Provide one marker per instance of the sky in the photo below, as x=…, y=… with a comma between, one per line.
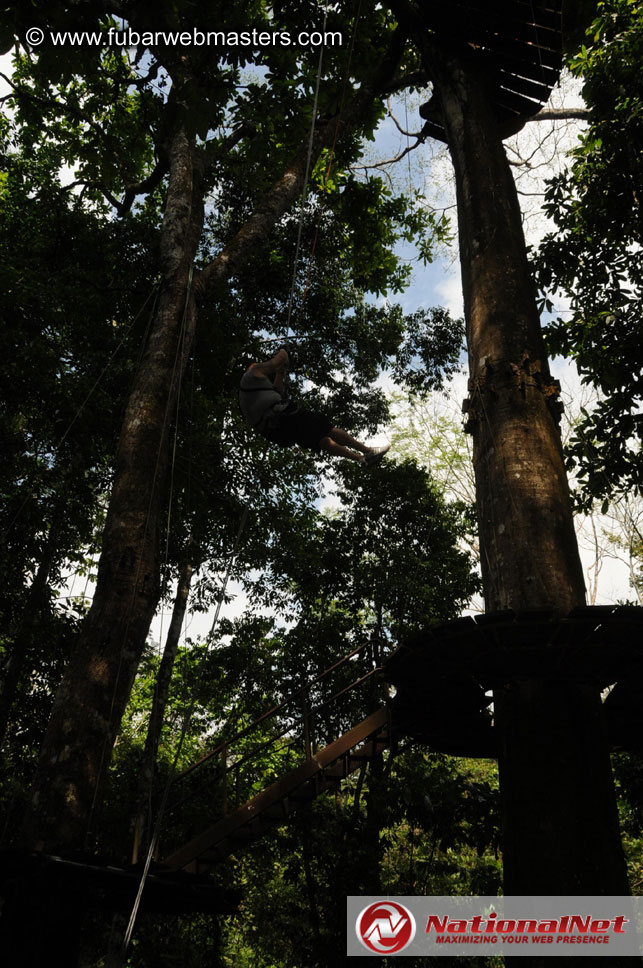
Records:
x=544, y=146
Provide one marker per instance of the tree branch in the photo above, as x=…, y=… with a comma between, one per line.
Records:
x=288, y=187
x=53, y=103
x=389, y=161
x=213, y=152
x=113, y=201
x=143, y=187
x=154, y=178
x=412, y=79
x=151, y=75
x=67, y=109
x=562, y=114
x=408, y=134
x=146, y=185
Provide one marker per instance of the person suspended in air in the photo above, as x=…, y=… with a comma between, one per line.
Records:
x=264, y=405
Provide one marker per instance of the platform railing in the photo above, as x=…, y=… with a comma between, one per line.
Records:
x=291, y=731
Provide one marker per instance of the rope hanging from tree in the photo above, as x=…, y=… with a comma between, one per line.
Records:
x=304, y=190
x=244, y=517
x=186, y=724
x=242, y=523
x=331, y=155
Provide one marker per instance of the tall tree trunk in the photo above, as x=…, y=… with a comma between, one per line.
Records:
x=155, y=725
x=559, y=815
x=91, y=699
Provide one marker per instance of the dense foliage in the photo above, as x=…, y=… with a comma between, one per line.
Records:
x=83, y=185
x=595, y=257
x=79, y=291
x=80, y=270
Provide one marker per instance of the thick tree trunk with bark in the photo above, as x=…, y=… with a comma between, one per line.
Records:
x=559, y=814
x=91, y=699
x=146, y=774
x=529, y=554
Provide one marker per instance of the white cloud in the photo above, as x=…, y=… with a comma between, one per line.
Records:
x=449, y=291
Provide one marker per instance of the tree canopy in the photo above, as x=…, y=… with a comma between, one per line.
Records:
x=92, y=186
x=594, y=256
x=152, y=214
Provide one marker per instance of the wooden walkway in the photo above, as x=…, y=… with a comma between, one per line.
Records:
x=463, y=660
x=319, y=772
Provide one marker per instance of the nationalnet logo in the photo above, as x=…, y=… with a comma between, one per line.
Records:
x=598, y=926
x=569, y=929
x=385, y=927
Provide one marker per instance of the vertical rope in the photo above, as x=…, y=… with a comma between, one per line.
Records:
x=331, y=154
x=306, y=176
x=186, y=723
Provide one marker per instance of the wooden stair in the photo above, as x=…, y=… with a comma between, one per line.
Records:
x=320, y=772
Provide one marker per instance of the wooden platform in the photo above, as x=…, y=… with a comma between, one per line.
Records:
x=457, y=663
x=598, y=644
x=94, y=883
x=515, y=46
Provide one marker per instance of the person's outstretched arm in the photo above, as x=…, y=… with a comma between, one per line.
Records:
x=276, y=365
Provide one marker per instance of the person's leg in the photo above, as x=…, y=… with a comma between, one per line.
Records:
x=336, y=447
x=338, y=450
x=341, y=437
x=367, y=455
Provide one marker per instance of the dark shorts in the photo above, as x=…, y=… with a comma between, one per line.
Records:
x=304, y=427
